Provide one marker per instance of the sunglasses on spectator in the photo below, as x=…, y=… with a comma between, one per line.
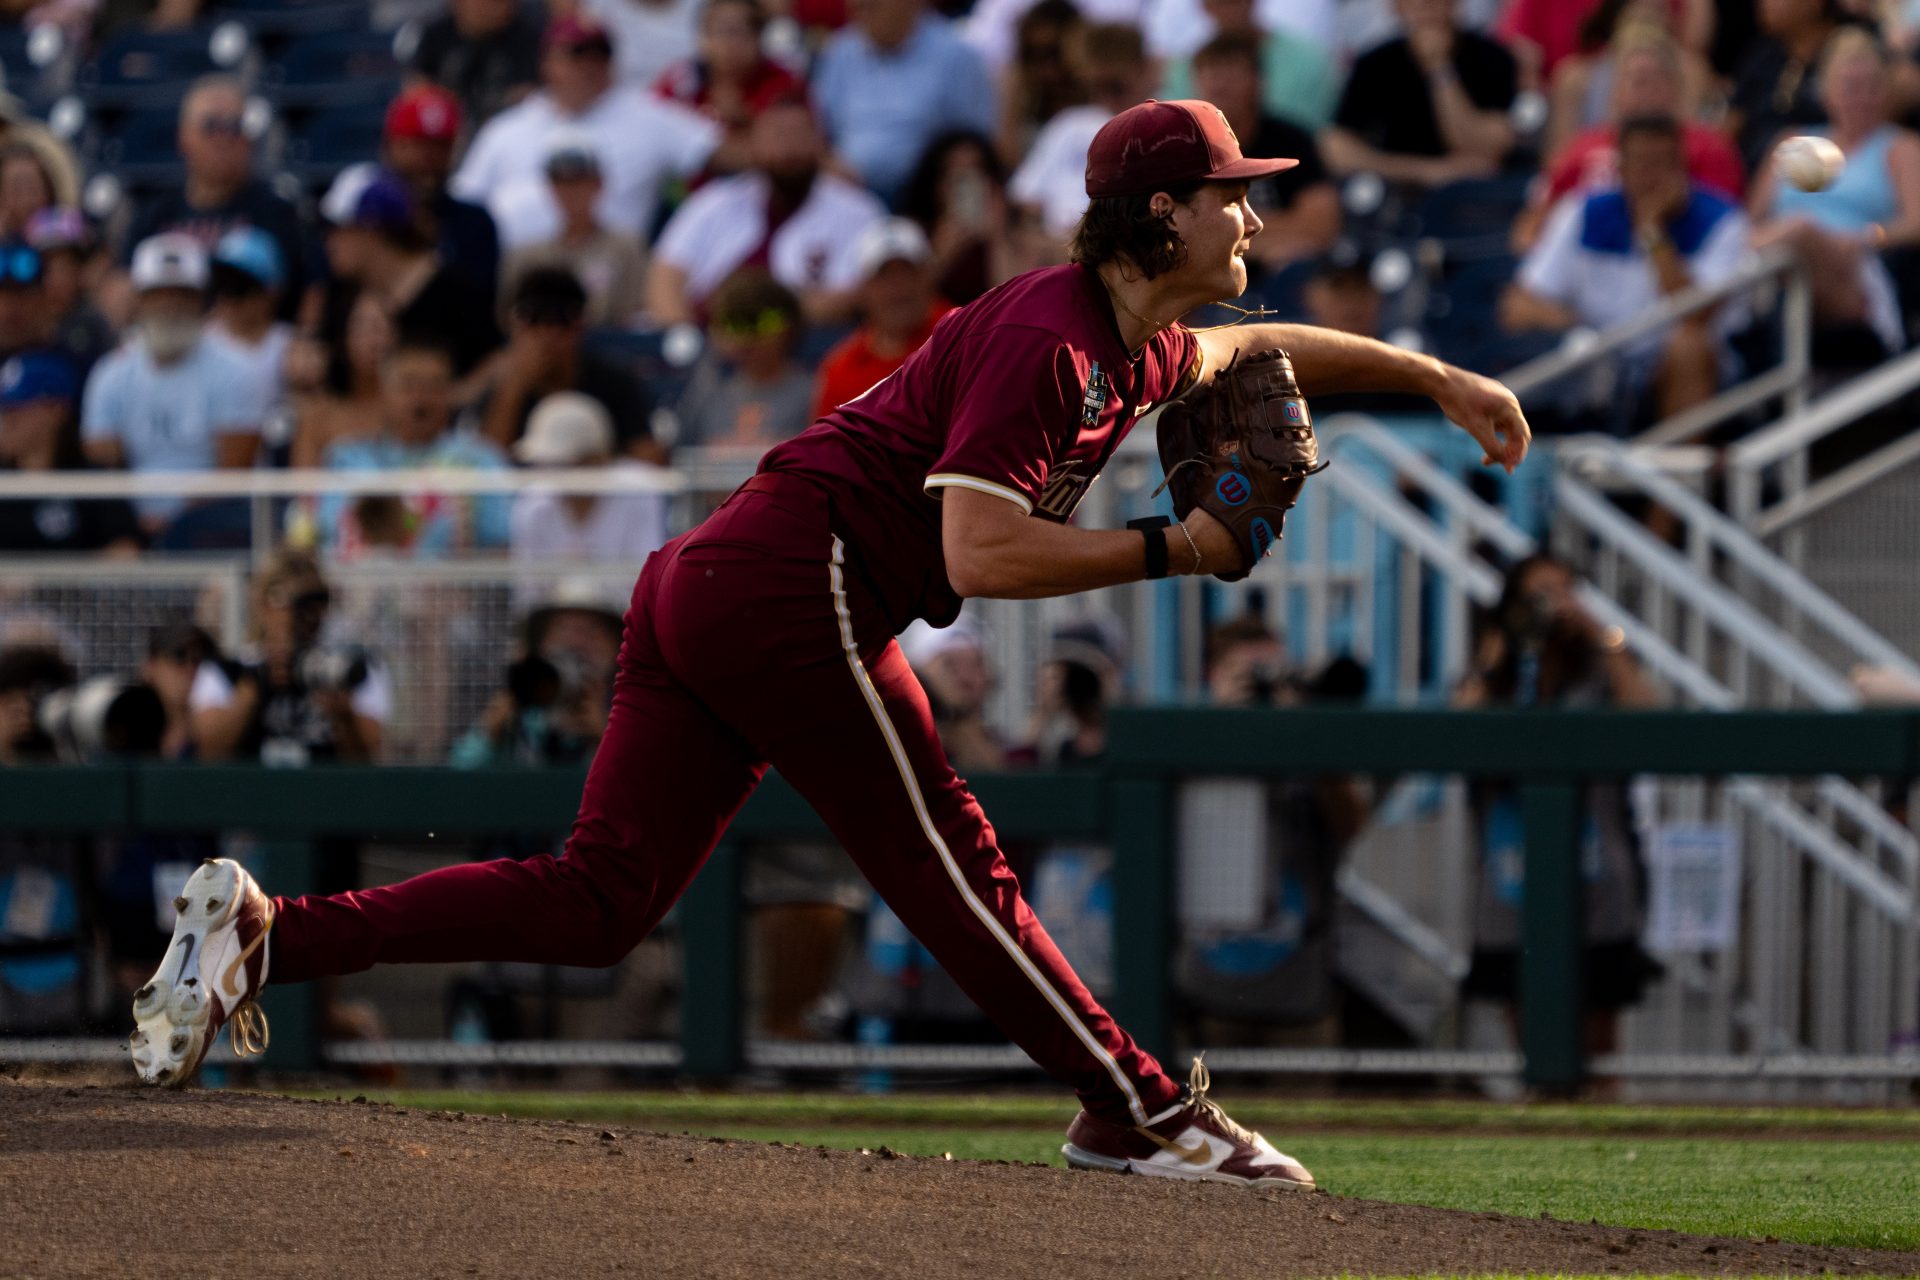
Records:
x=770, y=323
x=222, y=127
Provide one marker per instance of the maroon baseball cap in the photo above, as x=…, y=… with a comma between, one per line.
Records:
x=1157, y=145
x=577, y=34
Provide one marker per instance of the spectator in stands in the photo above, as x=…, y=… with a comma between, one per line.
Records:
x=1341, y=294
x=749, y=391
x=1604, y=258
x=898, y=308
x=1646, y=81
x=568, y=429
x=1260, y=970
x=1427, y=108
x=422, y=127
x=25, y=188
x=293, y=698
x=24, y=317
x=1549, y=34
x=648, y=35
x=168, y=399
x=729, y=79
x=174, y=655
x=39, y=432
x=335, y=381
x=1298, y=82
x=66, y=244
x=787, y=214
x=1301, y=207
x=892, y=81
x=28, y=672
x=558, y=690
x=546, y=352
x=378, y=245
x=610, y=264
x=1049, y=189
x=417, y=430
x=1038, y=84
x=952, y=665
x=1078, y=684
x=958, y=195
x=1775, y=89
x=1541, y=648
x=1873, y=204
x=1584, y=93
x=643, y=142
x=246, y=278
x=220, y=192
x=487, y=52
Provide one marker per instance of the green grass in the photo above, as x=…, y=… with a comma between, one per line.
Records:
x=1850, y=1178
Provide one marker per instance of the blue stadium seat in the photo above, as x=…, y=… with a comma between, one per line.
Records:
x=37, y=66
x=328, y=141
x=274, y=23
x=338, y=69
x=151, y=68
x=141, y=148
x=1472, y=219
x=1463, y=310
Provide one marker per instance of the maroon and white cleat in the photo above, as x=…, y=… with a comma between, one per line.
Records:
x=215, y=966
x=1195, y=1141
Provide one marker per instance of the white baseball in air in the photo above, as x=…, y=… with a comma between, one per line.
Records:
x=1809, y=163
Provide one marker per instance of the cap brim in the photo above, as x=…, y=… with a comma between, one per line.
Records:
x=1246, y=170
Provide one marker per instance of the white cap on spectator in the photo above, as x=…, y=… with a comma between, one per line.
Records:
x=922, y=643
x=565, y=429
x=891, y=240
x=343, y=197
x=170, y=260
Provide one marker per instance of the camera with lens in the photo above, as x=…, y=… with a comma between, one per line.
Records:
x=546, y=680
x=334, y=667
x=104, y=716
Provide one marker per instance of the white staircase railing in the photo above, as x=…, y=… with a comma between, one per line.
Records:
x=1829, y=957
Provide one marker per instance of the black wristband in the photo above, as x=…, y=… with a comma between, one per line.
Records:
x=1152, y=529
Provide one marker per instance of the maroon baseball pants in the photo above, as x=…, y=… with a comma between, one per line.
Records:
x=751, y=642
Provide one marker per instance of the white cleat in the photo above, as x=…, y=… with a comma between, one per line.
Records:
x=214, y=967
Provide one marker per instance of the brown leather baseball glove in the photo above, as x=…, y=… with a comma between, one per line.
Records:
x=1240, y=447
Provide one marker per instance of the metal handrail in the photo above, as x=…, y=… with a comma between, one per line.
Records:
x=304, y=481
x=1485, y=520
x=1554, y=365
x=1747, y=551
x=1839, y=408
x=1843, y=483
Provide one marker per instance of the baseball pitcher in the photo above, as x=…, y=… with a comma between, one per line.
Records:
x=765, y=638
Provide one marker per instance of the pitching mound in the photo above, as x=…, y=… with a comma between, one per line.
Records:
x=111, y=1181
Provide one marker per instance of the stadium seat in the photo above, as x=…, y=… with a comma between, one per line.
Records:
x=37, y=64
x=338, y=69
x=141, y=148
x=1473, y=219
x=274, y=23
x=328, y=141
x=151, y=68
x=1462, y=320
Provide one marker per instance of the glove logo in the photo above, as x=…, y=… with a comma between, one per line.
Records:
x=1233, y=488
x=1295, y=412
x=1263, y=536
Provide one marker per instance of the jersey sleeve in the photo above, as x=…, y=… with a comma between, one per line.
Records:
x=1016, y=409
x=1548, y=269
x=100, y=410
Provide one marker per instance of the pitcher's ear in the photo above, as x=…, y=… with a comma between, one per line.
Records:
x=1161, y=205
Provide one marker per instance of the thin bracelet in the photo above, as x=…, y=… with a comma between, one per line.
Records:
x=1197, y=557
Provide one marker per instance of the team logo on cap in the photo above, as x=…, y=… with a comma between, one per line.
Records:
x=1227, y=125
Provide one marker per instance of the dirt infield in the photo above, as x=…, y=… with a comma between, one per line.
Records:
x=112, y=1181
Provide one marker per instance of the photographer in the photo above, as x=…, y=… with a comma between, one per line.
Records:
x=1083, y=674
x=28, y=673
x=1256, y=963
x=553, y=707
x=1540, y=648
x=292, y=700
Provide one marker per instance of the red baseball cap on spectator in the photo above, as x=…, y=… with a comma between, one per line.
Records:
x=425, y=112
x=1157, y=145
x=578, y=35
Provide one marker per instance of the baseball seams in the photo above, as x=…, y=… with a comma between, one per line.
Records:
x=974, y=904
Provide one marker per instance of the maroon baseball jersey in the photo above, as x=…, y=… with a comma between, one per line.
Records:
x=1023, y=393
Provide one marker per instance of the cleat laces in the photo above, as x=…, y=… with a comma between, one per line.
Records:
x=1199, y=1080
